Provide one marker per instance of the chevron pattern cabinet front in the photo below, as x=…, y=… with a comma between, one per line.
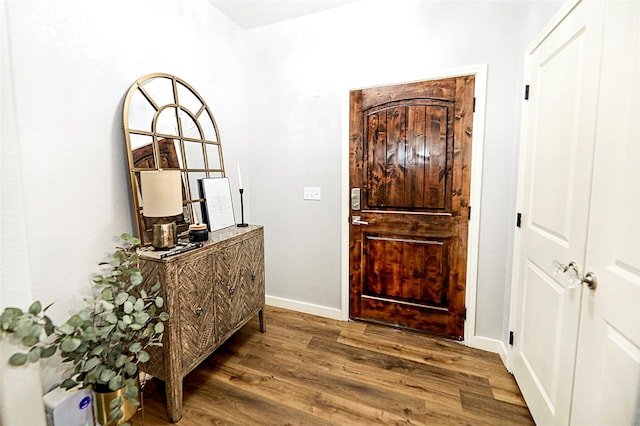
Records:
x=239, y=289
x=196, y=309
x=210, y=293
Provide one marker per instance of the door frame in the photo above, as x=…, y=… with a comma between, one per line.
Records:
x=477, y=149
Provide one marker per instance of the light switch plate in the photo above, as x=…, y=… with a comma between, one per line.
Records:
x=312, y=193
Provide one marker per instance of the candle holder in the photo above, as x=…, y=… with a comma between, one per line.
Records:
x=242, y=224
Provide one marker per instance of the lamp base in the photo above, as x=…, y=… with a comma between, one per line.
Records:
x=164, y=236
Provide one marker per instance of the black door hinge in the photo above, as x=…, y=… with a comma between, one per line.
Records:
x=474, y=104
x=526, y=92
x=519, y=220
x=469, y=213
x=511, y=338
x=465, y=313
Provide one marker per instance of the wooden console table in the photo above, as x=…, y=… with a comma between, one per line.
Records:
x=209, y=293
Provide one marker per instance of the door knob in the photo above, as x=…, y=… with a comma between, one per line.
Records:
x=560, y=268
x=575, y=278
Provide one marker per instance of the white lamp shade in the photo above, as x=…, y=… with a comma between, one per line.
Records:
x=161, y=193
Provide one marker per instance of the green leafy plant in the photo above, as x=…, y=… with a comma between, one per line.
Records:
x=106, y=340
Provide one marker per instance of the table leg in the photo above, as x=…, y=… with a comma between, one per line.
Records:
x=263, y=328
x=173, y=391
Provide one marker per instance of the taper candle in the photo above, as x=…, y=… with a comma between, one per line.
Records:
x=239, y=176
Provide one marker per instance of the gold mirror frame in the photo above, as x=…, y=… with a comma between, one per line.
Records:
x=167, y=125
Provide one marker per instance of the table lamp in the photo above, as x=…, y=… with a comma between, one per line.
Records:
x=162, y=198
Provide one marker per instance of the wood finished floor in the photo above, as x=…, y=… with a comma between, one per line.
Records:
x=308, y=370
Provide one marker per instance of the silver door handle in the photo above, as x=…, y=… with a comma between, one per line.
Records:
x=355, y=220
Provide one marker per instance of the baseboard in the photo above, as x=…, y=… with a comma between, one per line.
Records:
x=490, y=345
x=306, y=308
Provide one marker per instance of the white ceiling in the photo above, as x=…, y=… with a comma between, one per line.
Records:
x=254, y=13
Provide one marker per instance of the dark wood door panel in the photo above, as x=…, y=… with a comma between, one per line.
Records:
x=415, y=270
x=407, y=315
x=410, y=156
x=427, y=145
x=444, y=89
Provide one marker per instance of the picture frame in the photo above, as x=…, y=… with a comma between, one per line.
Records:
x=217, y=210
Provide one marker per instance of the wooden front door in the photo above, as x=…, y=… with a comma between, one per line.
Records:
x=410, y=157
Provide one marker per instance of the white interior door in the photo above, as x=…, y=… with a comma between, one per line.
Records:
x=559, y=130
x=607, y=383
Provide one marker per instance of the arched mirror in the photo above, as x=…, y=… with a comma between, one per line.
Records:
x=167, y=125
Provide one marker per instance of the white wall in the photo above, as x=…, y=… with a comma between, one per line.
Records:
x=65, y=194
x=16, y=385
x=303, y=71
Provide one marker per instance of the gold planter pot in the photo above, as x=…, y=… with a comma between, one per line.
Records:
x=101, y=410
